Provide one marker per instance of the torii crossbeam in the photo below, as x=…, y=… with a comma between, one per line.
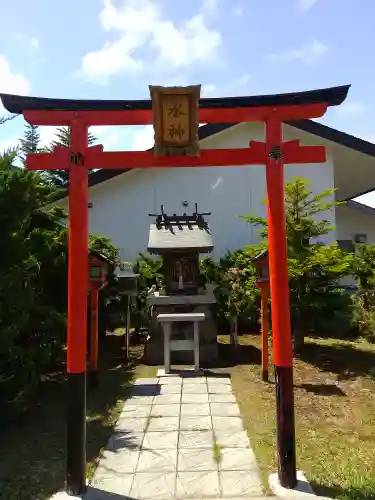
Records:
x=79, y=158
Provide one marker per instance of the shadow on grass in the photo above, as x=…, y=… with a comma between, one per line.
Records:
x=32, y=451
x=336, y=491
x=342, y=359
x=242, y=355
x=321, y=389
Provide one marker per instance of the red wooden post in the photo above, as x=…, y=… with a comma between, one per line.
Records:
x=264, y=329
x=94, y=338
x=282, y=341
x=77, y=311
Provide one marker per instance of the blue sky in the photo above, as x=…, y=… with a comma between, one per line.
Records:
x=115, y=48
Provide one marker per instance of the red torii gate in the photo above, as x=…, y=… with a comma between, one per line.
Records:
x=79, y=115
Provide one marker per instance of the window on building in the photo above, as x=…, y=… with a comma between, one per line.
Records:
x=346, y=245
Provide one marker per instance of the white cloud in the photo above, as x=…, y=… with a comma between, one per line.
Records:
x=46, y=135
x=209, y=90
x=238, y=11
x=109, y=61
x=113, y=138
x=11, y=83
x=9, y=143
x=140, y=24
x=124, y=138
x=182, y=47
x=307, y=54
x=353, y=108
x=34, y=42
x=143, y=138
x=244, y=80
x=210, y=5
x=306, y=4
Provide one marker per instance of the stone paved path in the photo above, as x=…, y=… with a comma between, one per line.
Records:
x=178, y=437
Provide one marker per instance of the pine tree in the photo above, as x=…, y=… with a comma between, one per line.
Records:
x=314, y=269
x=60, y=178
x=29, y=143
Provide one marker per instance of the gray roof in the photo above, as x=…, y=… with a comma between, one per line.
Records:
x=185, y=237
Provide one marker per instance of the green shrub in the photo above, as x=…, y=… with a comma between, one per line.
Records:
x=33, y=279
x=363, y=303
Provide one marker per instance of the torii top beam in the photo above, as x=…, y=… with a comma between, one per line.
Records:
x=292, y=106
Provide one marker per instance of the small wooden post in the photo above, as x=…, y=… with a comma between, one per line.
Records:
x=127, y=328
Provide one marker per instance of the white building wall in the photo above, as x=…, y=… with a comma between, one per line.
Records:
x=121, y=205
x=351, y=222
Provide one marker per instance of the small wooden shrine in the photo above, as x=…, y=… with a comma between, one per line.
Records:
x=180, y=240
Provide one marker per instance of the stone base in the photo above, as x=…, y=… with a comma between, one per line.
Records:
x=209, y=353
x=154, y=354
x=303, y=490
x=187, y=371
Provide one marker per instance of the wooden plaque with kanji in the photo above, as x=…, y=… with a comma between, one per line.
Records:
x=175, y=113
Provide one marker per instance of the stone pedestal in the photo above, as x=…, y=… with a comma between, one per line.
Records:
x=183, y=304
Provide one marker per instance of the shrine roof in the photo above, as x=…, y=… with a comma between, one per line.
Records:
x=100, y=256
x=261, y=256
x=191, y=237
x=333, y=96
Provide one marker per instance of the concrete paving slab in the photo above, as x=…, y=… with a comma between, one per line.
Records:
x=197, y=459
x=167, y=399
x=191, y=409
x=163, y=424
x=135, y=411
x=194, y=389
x=190, y=423
x=155, y=485
x=240, y=483
x=160, y=440
x=194, y=398
x=140, y=401
x=121, y=462
x=232, y=439
x=224, y=409
x=221, y=398
x=227, y=423
x=124, y=440
x=157, y=460
x=170, y=389
x=145, y=390
x=237, y=459
x=119, y=484
x=131, y=424
x=170, y=381
x=171, y=410
x=197, y=484
x=196, y=439
x=194, y=380
x=214, y=388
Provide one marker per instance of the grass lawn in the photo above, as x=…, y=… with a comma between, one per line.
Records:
x=32, y=449
x=335, y=413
